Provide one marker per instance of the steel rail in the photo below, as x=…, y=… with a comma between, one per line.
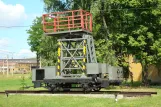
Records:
x=124, y=93
x=2, y=93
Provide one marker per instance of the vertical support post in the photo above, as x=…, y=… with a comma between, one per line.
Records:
x=86, y=21
x=82, y=19
x=58, y=21
x=61, y=56
x=68, y=23
x=12, y=71
x=43, y=22
x=7, y=66
x=3, y=68
x=116, y=98
x=84, y=56
x=30, y=67
x=90, y=22
x=59, y=53
x=73, y=19
x=55, y=24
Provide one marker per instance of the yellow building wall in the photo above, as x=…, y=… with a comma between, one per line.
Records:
x=153, y=74
x=22, y=67
x=136, y=70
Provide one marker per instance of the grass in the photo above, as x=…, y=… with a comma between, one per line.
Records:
x=60, y=101
x=13, y=82
x=69, y=101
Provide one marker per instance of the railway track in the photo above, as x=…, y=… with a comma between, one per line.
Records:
x=124, y=93
x=2, y=93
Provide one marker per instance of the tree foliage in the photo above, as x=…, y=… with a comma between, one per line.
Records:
x=120, y=28
x=34, y=40
x=43, y=46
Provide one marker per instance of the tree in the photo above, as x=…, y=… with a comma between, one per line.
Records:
x=49, y=51
x=132, y=28
x=43, y=46
x=60, y=5
x=35, y=34
x=122, y=28
x=145, y=33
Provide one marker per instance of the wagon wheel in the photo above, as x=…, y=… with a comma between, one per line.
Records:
x=58, y=87
x=51, y=88
x=86, y=88
x=97, y=89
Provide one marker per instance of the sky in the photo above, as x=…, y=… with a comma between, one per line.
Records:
x=13, y=40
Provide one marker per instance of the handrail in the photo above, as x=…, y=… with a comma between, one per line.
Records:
x=66, y=21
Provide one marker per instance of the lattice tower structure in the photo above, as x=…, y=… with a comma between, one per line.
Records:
x=75, y=43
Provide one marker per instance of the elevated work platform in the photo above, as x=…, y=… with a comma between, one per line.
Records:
x=75, y=41
x=67, y=22
x=73, y=33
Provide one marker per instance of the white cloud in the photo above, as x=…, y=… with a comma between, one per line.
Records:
x=4, y=42
x=11, y=14
x=25, y=53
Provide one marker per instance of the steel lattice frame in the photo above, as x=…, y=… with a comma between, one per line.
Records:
x=74, y=53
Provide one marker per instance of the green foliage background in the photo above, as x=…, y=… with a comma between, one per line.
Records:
x=120, y=28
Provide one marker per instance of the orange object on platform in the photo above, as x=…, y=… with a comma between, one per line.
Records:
x=67, y=21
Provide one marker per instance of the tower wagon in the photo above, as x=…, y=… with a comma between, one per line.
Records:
x=77, y=65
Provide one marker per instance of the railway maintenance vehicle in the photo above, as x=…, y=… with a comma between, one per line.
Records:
x=77, y=65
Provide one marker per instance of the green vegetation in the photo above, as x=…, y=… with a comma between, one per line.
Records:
x=120, y=28
x=14, y=82
x=46, y=47
x=66, y=101
x=71, y=101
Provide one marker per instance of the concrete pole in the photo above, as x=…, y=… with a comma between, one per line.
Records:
x=30, y=67
x=3, y=67
x=7, y=67
x=12, y=71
